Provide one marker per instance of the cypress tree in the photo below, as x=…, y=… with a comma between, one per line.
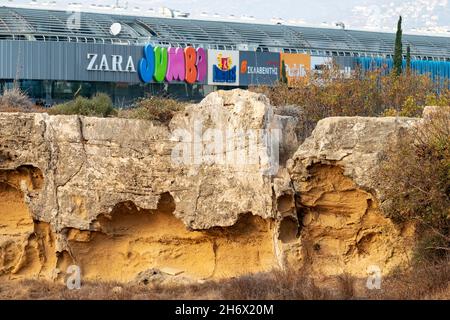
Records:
x=398, y=52
x=408, y=59
x=283, y=73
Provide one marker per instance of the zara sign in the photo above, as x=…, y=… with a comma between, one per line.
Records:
x=114, y=63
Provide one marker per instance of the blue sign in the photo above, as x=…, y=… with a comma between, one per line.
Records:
x=259, y=68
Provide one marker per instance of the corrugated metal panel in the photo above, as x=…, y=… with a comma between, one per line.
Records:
x=436, y=69
x=52, y=25
x=33, y=60
x=345, y=62
x=68, y=61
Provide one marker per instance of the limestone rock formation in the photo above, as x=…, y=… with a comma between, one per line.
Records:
x=208, y=196
x=334, y=175
x=117, y=198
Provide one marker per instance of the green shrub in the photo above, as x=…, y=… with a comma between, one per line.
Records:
x=154, y=108
x=442, y=99
x=390, y=112
x=99, y=105
x=410, y=108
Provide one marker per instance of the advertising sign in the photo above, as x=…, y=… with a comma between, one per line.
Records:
x=69, y=61
x=297, y=65
x=318, y=64
x=223, y=67
x=172, y=64
x=259, y=68
x=74, y=61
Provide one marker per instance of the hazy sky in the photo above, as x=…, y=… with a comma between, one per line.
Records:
x=431, y=15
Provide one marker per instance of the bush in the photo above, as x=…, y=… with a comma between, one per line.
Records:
x=442, y=99
x=370, y=94
x=431, y=246
x=15, y=100
x=99, y=105
x=410, y=108
x=396, y=90
x=158, y=109
x=415, y=178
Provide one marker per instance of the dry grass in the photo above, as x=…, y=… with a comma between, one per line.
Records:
x=15, y=100
x=424, y=281
x=414, y=177
x=33, y=109
x=370, y=94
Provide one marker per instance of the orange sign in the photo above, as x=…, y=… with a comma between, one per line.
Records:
x=296, y=64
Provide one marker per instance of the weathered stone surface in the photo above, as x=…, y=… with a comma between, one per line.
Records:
x=123, y=198
x=107, y=181
x=334, y=174
x=429, y=111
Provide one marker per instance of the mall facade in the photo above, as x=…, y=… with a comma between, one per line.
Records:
x=54, y=59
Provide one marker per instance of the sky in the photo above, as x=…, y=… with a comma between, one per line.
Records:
x=431, y=16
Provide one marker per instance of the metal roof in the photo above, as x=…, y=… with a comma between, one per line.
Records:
x=51, y=25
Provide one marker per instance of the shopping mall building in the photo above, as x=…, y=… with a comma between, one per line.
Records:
x=56, y=55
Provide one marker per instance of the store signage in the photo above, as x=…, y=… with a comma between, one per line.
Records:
x=296, y=64
x=114, y=63
x=173, y=64
x=223, y=67
x=259, y=68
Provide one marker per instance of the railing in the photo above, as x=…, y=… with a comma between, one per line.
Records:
x=315, y=51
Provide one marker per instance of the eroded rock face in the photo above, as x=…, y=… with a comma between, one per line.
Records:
x=127, y=200
x=26, y=246
x=334, y=175
x=143, y=238
x=115, y=202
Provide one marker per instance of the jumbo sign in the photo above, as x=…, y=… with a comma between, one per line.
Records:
x=173, y=64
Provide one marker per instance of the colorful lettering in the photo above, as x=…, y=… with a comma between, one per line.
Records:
x=176, y=65
x=160, y=63
x=190, y=58
x=147, y=64
x=202, y=65
x=169, y=64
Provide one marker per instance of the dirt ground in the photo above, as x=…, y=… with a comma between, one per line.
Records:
x=424, y=281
